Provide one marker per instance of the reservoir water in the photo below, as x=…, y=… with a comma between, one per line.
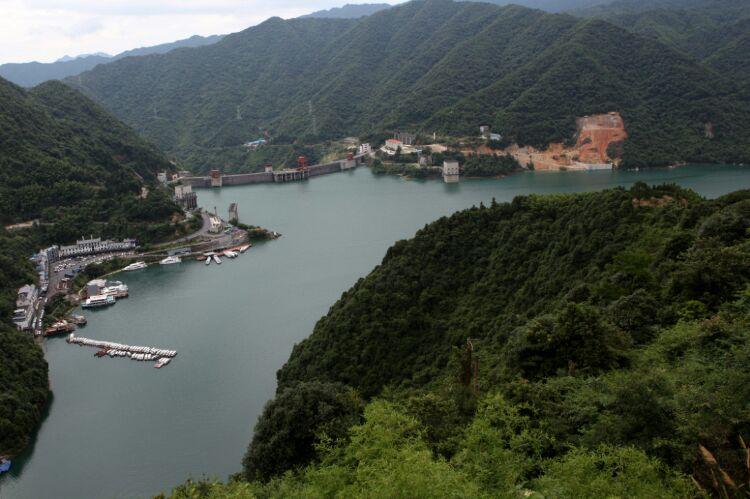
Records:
x=118, y=428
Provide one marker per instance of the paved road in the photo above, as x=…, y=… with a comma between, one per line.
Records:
x=202, y=232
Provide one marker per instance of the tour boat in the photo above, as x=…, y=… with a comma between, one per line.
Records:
x=136, y=266
x=117, y=289
x=170, y=260
x=99, y=301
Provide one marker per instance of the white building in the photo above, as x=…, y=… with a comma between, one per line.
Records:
x=451, y=171
x=393, y=144
x=24, y=314
x=95, y=245
x=181, y=191
x=364, y=149
x=215, y=225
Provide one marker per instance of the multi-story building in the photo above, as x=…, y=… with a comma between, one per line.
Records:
x=393, y=144
x=451, y=171
x=93, y=246
x=185, y=197
x=25, y=312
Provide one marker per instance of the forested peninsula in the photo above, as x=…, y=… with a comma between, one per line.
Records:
x=580, y=345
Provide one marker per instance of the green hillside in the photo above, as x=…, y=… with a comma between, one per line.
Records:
x=668, y=101
x=64, y=160
x=67, y=163
x=425, y=66
x=715, y=32
x=609, y=341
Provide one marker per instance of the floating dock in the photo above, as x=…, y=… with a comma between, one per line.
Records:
x=161, y=356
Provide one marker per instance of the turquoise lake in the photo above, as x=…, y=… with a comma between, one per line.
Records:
x=120, y=429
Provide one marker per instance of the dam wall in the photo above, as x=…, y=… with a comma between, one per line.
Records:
x=247, y=178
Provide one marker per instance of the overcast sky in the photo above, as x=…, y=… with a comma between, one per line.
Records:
x=45, y=30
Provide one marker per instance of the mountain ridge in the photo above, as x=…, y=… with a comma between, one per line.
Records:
x=423, y=66
x=29, y=74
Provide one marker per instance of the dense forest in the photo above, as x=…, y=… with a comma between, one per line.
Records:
x=431, y=66
x=73, y=168
x=574, y=345
x=716, y=32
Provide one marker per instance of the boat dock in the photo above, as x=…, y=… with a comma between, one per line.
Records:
x=161, y=356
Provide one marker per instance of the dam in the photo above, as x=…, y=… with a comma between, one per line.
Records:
x=302, y=172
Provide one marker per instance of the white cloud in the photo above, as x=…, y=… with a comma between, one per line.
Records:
x=45, y=30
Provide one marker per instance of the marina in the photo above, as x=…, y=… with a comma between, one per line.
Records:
x=140, y=353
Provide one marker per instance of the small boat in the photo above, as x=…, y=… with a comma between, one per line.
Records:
x=217, y=259
x=136, y=266
x=162, y=362
x=208, y=261
x=4, y=465
x=245, y=247
x=59, y=328
x=78, y=320
x=230, y=254
x=98, y=301
x=170, y=260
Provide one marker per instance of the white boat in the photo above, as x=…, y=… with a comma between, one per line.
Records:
x=170, y=260
x=216, y=258
x=230, y=254
x=136, y=266
x=117, y=289
x=208, y=261
x=244, y=248
x=98, y=301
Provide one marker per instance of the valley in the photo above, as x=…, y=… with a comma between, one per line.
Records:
x=515, y=259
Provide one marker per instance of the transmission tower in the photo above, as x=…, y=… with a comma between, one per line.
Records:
x=312, y=115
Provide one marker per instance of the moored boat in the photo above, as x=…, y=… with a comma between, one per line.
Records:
x=136, y=266
x=118, y=290
x=98, y=301
x=78, y=320
x=216, y=258
x=59, y=328
x=170, y=260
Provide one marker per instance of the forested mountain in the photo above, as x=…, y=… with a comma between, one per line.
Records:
x=425, y=66
x=716, y=32
x=585, y=345
x=66, y=162
x=29, y=74
x=61, y=154
x=349, y=11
